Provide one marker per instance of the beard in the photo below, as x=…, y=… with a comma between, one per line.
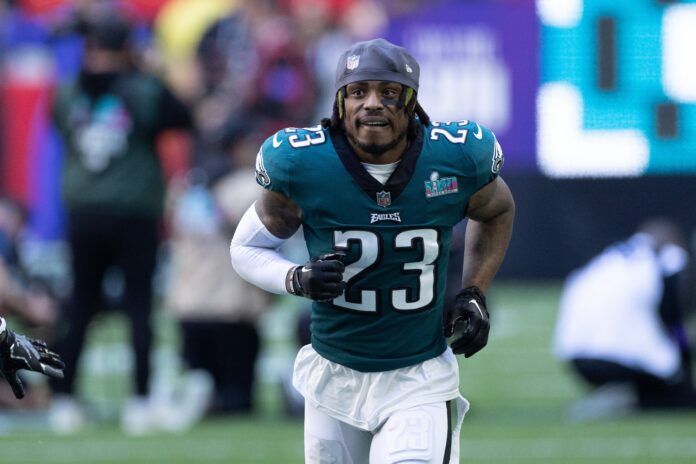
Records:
x=376, y=149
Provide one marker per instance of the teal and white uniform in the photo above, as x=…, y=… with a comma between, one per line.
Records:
x=396, y=236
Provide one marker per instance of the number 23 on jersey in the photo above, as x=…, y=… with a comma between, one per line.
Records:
x=370, y=245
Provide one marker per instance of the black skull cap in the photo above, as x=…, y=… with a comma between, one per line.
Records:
x=377, y=60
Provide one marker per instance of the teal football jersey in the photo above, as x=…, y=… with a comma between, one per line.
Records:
x=395, y=237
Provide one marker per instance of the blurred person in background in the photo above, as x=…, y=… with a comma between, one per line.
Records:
x=621, y=326
x=293, y=401
x=244, y=68
x=113, y=188
x=252, y=72
x=24, y=298
x=216, y=309
x=225, y=65
x=325, y=28
x=377, y=189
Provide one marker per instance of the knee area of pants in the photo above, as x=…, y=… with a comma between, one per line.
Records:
x=322, y=451
x=410, y=438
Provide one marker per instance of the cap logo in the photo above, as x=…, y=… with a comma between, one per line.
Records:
x=352, y=62
x=408, y=68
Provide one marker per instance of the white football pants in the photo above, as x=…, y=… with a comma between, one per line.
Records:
x=422, y=434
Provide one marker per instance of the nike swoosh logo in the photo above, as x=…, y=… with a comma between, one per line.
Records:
x=476, y=302
x=478, y=134
x=276, y=143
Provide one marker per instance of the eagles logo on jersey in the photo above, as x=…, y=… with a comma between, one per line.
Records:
x=261, y=174
x=396, y=250
x=498, y=158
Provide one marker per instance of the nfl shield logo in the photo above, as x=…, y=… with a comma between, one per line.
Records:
x=383, y=199
x=352, y=62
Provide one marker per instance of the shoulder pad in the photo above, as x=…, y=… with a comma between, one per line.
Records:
x=477, y=143
x=295, y=138
x=279, y=152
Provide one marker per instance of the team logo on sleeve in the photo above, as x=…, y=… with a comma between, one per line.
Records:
x=384, y=198
x=498, y=158
x=437, y=186
x=261, y=175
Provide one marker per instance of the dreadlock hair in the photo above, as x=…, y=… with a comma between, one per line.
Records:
x=413, y=109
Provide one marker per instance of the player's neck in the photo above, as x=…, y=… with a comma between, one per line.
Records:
x=390, y=156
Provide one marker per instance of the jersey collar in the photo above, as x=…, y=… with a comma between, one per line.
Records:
x=397, y=181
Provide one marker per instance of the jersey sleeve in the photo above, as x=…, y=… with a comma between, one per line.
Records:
x=273, y=163
x=484, y=151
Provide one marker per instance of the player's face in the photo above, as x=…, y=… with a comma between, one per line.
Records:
x=373, y=121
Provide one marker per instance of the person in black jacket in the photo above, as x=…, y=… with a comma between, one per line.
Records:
x=113, y=188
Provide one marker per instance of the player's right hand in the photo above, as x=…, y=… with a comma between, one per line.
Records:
x=21, y=352
x=321, y=278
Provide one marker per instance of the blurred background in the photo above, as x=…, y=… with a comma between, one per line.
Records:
x=594, y=105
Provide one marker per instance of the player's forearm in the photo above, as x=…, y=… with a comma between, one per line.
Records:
x=263, y=267
x=255, y=257
x=485, y=247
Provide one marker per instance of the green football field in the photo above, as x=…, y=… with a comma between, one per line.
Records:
x=518, y=395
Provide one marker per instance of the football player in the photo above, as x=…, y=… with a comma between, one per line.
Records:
x=377, y=189
x=20, y=352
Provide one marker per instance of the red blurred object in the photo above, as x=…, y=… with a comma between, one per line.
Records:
x=174, y=150
x=335, y=7
x=38, y=7
x=145, y=10
x=26, y=103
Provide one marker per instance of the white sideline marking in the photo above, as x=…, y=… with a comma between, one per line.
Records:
x=213, y=450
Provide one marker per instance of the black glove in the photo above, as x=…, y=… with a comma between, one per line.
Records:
x=21, y=352
x=320, y=279
x=468, y=322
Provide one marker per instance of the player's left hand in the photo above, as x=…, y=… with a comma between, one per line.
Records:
x=468, y=322
x=21, y=352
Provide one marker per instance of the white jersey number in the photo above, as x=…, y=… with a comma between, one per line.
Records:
x=459, y=136
x=313, y=136
x=370, y=245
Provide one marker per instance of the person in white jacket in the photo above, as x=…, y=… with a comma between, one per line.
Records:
x=621, y=328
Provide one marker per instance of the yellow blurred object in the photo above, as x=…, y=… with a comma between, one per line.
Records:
x=181, y=24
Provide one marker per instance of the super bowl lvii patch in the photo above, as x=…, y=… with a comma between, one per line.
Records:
x=439, y=187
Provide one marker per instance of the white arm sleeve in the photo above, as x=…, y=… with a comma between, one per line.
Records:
x=255, y=256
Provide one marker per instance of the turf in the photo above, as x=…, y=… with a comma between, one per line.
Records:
x=517, y=390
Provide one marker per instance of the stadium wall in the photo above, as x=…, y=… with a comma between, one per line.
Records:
x=560, y=224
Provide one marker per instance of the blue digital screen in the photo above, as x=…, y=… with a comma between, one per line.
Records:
x=618, y=88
